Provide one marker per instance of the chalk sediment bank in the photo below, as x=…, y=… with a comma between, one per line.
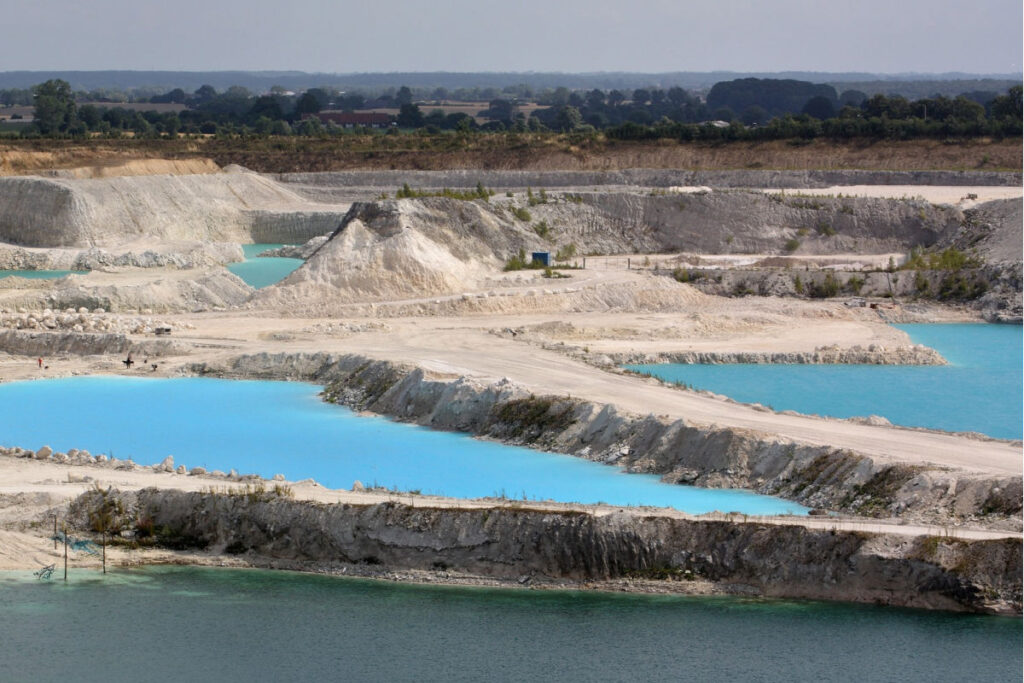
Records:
x=529, y=546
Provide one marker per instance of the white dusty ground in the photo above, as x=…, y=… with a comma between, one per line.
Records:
x=962, y=196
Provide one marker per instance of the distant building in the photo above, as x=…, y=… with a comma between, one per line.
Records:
x=347, y=119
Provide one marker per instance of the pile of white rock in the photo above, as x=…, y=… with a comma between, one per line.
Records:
x=82, y=320
x=345, y=328
x=75, y=456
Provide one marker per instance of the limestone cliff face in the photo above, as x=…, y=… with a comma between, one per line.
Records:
x=746, y=221
x=678, y=451
x=221, y=207
x=510, y=542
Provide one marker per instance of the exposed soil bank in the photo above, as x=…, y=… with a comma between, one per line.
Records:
x=494, y=151
x=815, y=476
x=528, y=545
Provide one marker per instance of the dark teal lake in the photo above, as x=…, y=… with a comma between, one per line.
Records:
x=283, y=427
x=194, y=624
x=262, y=272
x=980, y=390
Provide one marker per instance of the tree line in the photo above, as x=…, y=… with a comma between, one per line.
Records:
x=743, y=109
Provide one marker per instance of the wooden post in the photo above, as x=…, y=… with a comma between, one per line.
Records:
x=65, y=552
x=104, y=550
x=55, y=532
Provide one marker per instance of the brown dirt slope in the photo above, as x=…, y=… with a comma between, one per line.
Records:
x=501, y=151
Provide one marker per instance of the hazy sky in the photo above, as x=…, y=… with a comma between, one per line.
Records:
x=883, y=36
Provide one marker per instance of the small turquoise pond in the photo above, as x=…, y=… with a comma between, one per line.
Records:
x=263, y=272
x=281, y=427
x=980, y=390
x=245, y=625
x=41, y=274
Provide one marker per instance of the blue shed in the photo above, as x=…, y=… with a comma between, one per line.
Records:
x=542, y=257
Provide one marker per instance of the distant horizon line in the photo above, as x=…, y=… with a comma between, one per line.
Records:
x=890, y=74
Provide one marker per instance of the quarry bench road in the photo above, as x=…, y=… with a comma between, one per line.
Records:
x=490, y=358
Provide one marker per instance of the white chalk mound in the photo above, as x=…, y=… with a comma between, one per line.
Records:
x=407, y=248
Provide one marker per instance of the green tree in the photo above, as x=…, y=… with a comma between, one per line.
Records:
x=409, y=116
x=307, y=104
x=820, y=107
x=54, y=107
x=1010, y=104
x=501, y=110
x=265, y=106
x=569, y=118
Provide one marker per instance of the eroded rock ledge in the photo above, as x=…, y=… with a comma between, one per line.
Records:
x=856, y=355
x=820, y=477
x=538, y=546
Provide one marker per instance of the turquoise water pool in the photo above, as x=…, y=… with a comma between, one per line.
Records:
x=263, y=272
x=282, y=427
x=980, y=390
x=193, y=624
x=41, y=274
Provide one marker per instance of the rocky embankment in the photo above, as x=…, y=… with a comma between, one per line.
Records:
x=916, y=354
x=815, y=476
x=50, y=344
x=80, y=332
x=182, y=256
x=526, y=546
x=216, y=289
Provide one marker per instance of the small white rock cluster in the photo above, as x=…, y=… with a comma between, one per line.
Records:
x=81, y=320
x=346, y=328
x=75, y=456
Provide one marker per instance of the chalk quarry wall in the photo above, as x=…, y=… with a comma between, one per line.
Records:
x=527, y=545
x=339, y=186
x=681, y=453
x=221, y=207
x=741, y=221
x=719, y=222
